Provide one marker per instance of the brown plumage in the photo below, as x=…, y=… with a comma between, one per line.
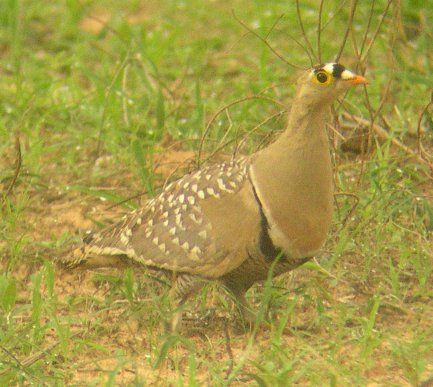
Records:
x=230, y=221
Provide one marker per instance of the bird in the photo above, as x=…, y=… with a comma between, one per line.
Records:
x=233, y=221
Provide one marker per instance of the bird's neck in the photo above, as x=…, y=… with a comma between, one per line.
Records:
x=305, y=121
x=294, y=182
x=303, y=146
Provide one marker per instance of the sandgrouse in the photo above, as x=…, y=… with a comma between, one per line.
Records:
x=230, y=221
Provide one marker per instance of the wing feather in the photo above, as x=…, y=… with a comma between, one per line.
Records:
x=174, y=231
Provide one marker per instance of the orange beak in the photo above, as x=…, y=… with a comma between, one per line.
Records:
x=357, y=80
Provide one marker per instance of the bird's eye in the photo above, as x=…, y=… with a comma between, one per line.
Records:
x=322, y=77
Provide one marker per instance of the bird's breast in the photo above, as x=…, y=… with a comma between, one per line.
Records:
x=295, y=191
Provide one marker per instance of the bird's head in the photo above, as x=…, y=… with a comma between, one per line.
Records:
x=322, y=84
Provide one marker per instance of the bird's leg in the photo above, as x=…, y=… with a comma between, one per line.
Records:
x=248, y=315
x=184, y=286
x=246, y=311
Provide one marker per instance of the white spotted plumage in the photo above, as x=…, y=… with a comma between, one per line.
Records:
x=227, y=221
x=170, y=220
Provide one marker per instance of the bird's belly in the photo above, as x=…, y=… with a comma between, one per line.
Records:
x=303, y=238
x=256, y=268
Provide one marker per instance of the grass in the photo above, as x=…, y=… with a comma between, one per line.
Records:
x=100, y=104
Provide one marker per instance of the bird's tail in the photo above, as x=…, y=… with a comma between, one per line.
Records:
x=94, y=253
x=87, y=257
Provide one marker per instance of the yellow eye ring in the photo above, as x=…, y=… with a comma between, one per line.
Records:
x=322, y=78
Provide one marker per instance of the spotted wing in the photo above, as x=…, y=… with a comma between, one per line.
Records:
x=173, y=231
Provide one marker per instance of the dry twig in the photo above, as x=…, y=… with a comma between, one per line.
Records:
x=373, y=39
x=348, y=29
x=319, y=31
x=275, y=52
x=352, y=209
x=384, y=135
x=224, y=108
x=310, y=50
x=26, y=363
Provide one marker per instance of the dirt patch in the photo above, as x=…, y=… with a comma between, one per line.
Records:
x=169, y=164
x=98, y=18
